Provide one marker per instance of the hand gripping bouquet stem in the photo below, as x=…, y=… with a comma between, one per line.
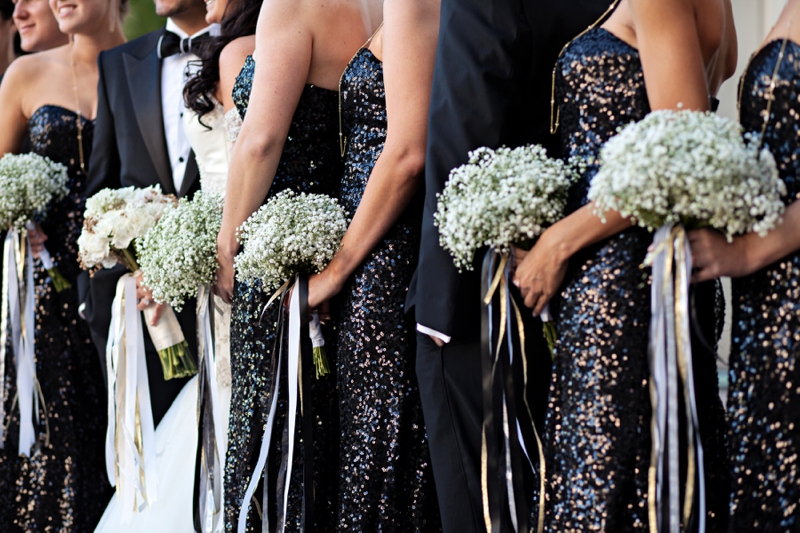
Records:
x=287, y=239
x=499, y=199
x=28, y=185
x=178, y=259
x=673, y=171
x=113, y=219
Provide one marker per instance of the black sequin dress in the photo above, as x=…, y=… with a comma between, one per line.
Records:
x=764, y=396
x=597, y=430
x=310, y=163
x=63, y=486
x=386, y=481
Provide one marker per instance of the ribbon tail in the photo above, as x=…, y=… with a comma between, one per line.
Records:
x=26, y=363
x=294, y=377
x=9, y=275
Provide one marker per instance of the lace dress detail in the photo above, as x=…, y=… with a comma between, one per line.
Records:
x=764, y=397
x=597, y=430
x=311, y=163
x=63, y=485
x=386, y=481
x=233, y=125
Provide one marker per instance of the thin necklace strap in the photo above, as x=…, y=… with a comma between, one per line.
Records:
x=78, y=115
x=342, y=138
x=555, y=110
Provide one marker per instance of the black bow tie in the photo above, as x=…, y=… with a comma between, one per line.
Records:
x=170, y=44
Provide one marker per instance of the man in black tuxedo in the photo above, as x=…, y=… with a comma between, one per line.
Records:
x=139, y=141
x=491, y=87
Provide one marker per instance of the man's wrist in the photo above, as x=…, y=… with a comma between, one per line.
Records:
x=433, y=333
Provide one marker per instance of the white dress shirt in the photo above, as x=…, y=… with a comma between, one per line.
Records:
x=174, y=75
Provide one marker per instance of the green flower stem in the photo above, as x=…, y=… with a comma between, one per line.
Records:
x=177, y=362
x=60, y=283
x=321, y=362
x=128, y=259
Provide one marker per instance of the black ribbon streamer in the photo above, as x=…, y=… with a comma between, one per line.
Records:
x=306, y=406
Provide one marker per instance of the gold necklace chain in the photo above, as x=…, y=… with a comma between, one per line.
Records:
x=79, y=117
x=342, y=138
x=770, y=96
x=555, y=111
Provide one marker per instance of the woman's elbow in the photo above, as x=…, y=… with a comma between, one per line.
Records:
x=408, y=162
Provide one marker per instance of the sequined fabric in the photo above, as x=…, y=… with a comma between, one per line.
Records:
x=597, y=430
x=386, y=481
x=63, y=485
x=764, y=397
x=310, y=163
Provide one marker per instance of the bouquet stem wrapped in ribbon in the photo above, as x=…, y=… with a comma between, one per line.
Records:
x=28, y=185
x=499, y=199
x=178, y=259
x=290, y=237
x=668, y=172
x=113, y=219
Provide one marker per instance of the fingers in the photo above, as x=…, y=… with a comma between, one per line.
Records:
x=226, y=295
x=437, y=341
x=157, y=314
x=143, y=304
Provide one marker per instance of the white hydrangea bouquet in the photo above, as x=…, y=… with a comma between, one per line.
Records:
x=113, y=219
x=501, y=198
x=289, y=235
x=672, y=171
x=28, y=183
x=179, y=254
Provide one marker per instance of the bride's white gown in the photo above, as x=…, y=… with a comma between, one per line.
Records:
x=176, y=434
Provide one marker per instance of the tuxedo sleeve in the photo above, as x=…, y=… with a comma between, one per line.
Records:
x=482, y=66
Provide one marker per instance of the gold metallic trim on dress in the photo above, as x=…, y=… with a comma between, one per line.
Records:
x=342, y=138
x=555, y=111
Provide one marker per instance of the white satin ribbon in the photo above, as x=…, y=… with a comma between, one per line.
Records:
x=294, y=389
x=211, y=492
x=22, y=330
x=130, y=439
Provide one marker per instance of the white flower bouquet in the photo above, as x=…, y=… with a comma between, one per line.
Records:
x=689, y=168
x=289, y=235
x=113, y=219
x=28, y=183
x=500, y=198
x=179, y=253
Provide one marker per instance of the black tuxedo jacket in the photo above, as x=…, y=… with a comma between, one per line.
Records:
x=129, y=149
x=492, y=85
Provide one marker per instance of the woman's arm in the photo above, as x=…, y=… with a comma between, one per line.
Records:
x=17, y=84
x=713, y=256
x=283, y=56
x=409, y=48
x=668, y=40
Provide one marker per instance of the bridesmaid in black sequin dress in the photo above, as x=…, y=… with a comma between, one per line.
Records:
x=300, y=151
x=63, y=485
x=386, y=480
x=764, y=394
x=597, y=443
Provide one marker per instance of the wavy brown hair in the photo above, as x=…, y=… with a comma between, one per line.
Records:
x=239, y=21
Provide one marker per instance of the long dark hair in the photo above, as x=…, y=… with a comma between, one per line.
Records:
x=239, y=21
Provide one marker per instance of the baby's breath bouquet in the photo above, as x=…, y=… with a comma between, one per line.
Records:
x=28, y=183
x=113, y=219
x=291, y=234
x=500, y=198
x=690, y=168
x=179, y=254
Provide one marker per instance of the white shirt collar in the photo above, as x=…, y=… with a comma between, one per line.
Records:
x=171, y=26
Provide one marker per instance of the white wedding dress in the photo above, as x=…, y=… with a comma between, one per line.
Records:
x=176, y=434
